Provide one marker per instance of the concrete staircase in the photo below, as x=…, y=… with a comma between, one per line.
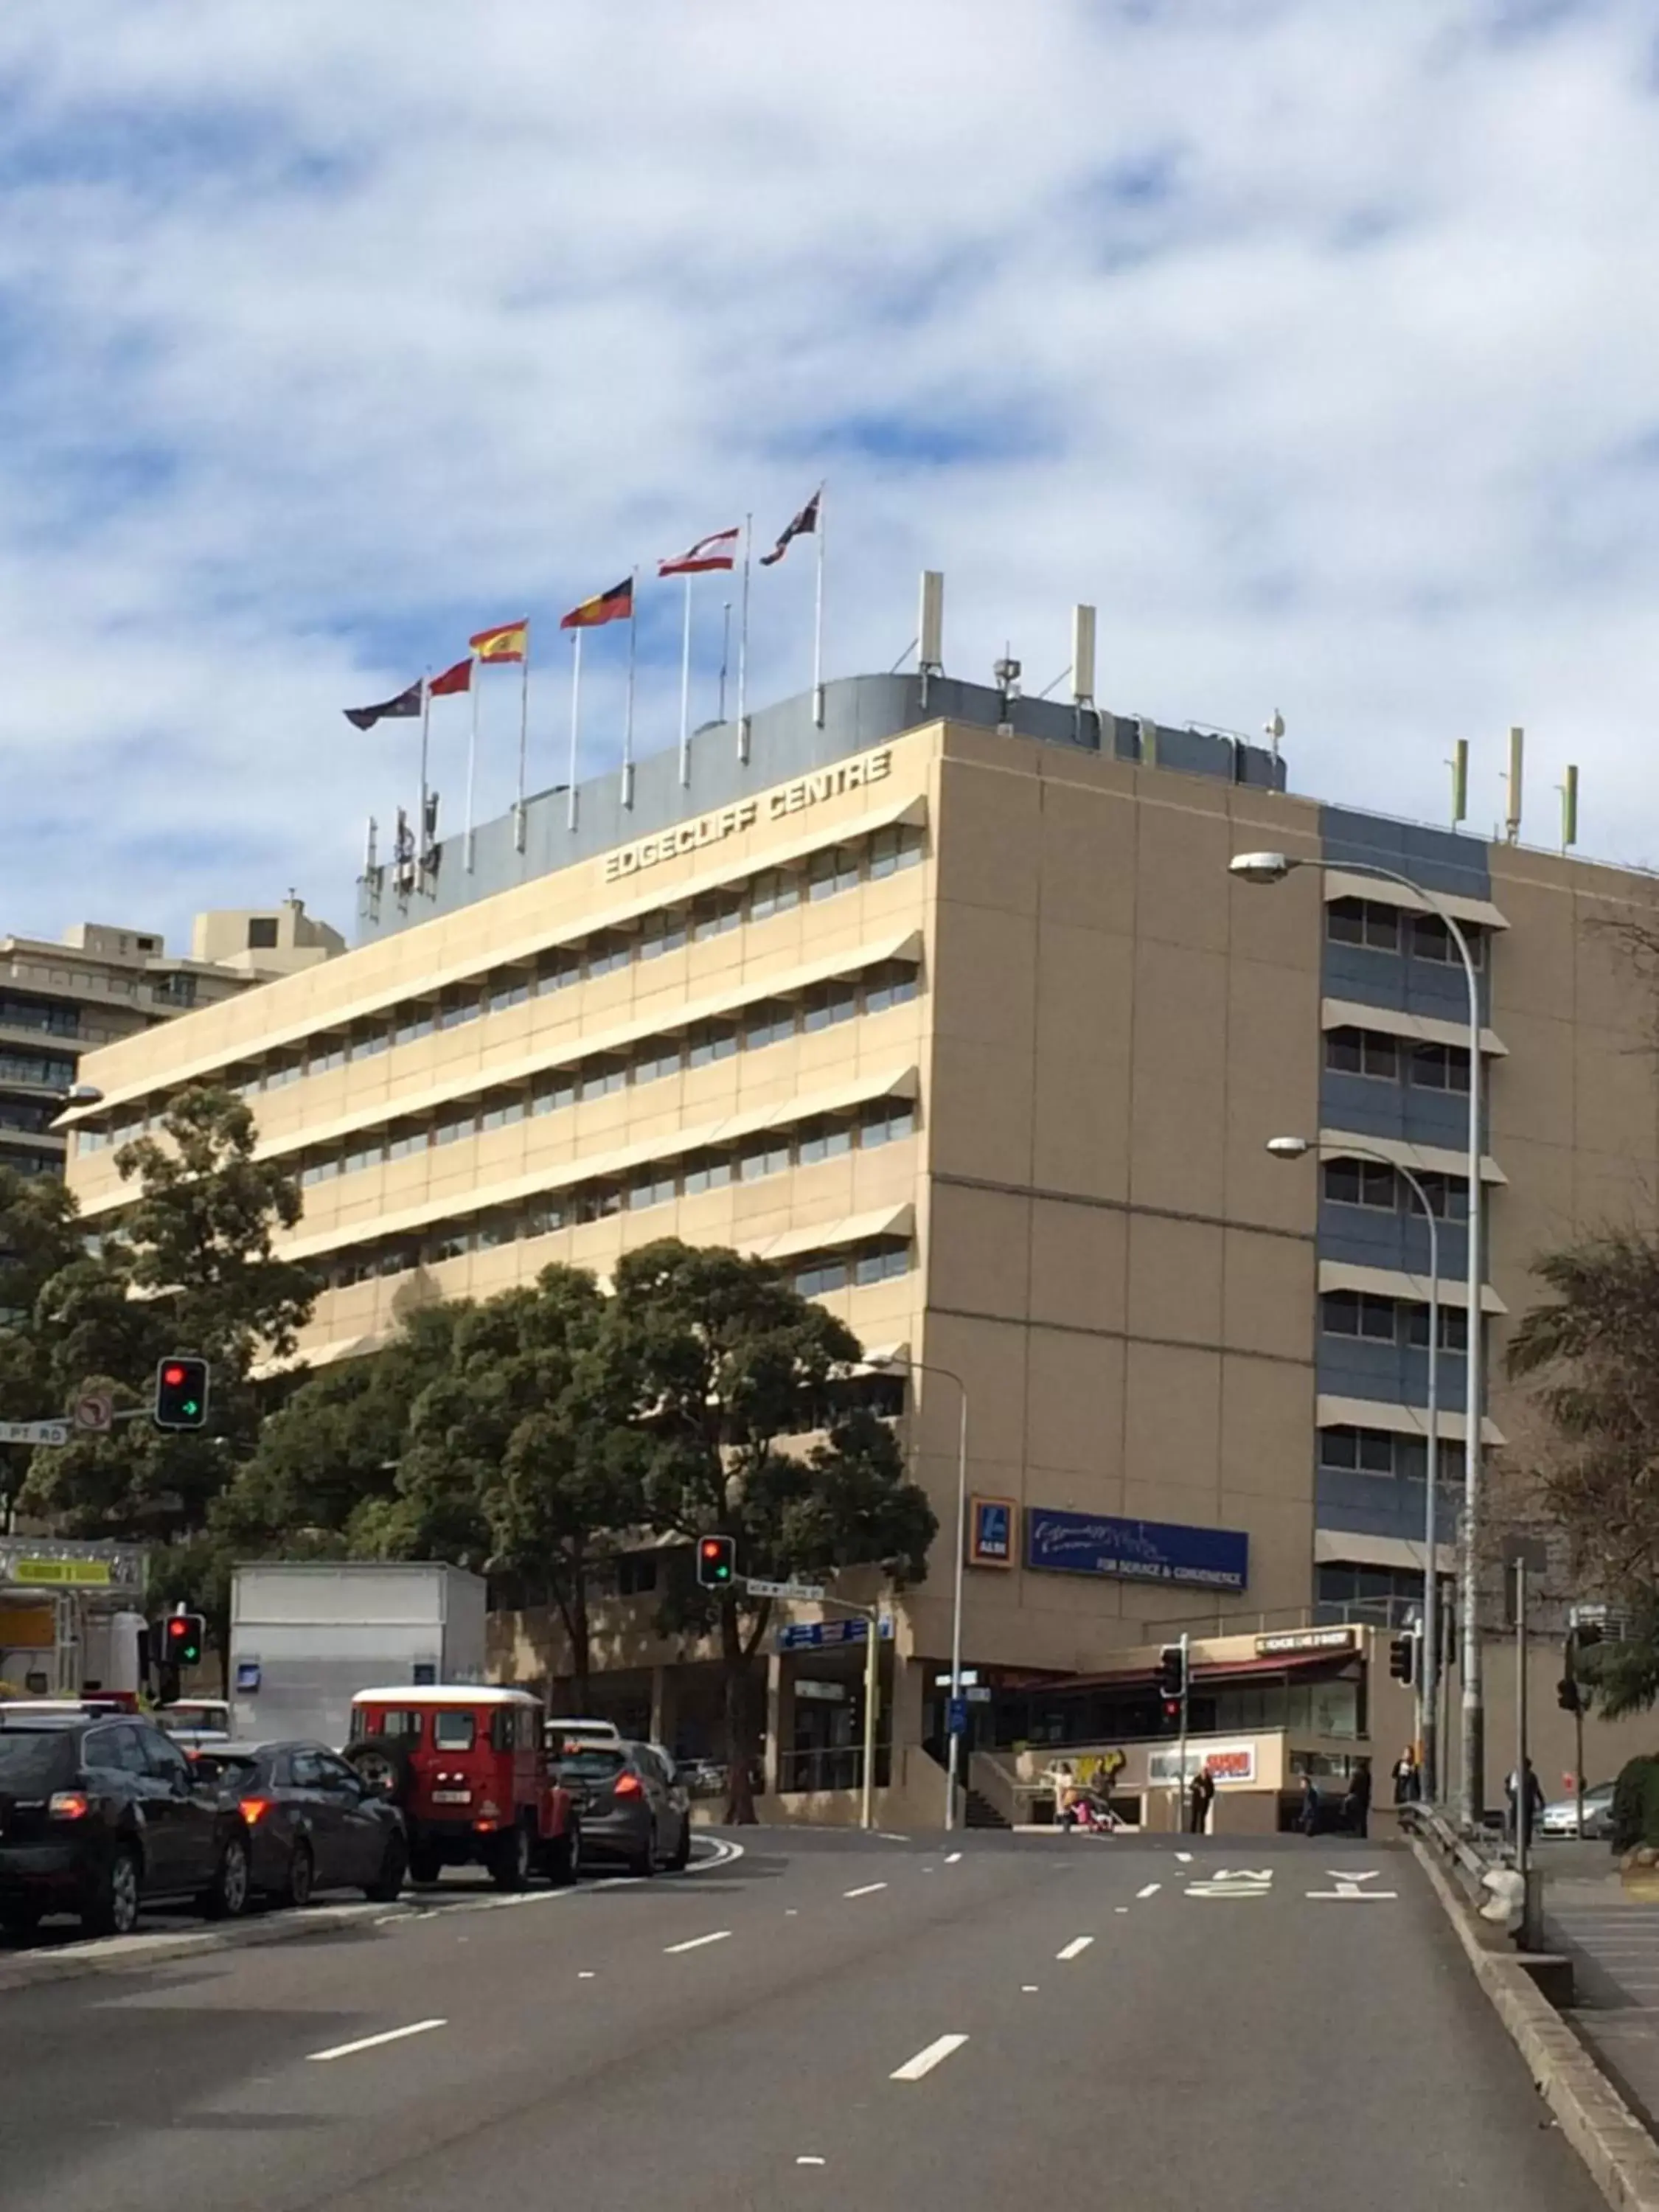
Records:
x=981, y=1812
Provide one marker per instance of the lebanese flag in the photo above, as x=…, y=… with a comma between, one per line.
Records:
x=457, y=678
x=720, y=551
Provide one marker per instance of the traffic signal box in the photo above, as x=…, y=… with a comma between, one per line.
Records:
x=181, y=1392
x=717, y=1562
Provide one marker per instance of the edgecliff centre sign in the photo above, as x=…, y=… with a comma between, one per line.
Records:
x=731, y=821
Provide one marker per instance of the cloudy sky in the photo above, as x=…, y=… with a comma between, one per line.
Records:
x=1314, y=340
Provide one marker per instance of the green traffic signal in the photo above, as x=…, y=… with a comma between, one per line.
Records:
x=181, y=1392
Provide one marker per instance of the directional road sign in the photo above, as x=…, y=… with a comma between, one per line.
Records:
x=758, y=1589
x=34, y=1432
x=94, y=1410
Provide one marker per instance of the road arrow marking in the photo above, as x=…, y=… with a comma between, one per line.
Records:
x=1241, y=1881
x=1347, y=1888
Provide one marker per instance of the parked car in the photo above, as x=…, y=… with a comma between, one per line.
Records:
x=1560, y=1818
x=562, y=1734
x=631, y=1807
x=194, y=1721
x=312, y=1822
x=99, y=1816
x=703, y=1778
x=467, y=1766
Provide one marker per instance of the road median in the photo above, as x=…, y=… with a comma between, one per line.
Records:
x=114, y=1954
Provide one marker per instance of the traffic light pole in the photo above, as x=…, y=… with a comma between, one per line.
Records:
x=1181, y=1755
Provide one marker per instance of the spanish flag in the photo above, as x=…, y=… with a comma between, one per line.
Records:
x=615, y=605
x=508, y=641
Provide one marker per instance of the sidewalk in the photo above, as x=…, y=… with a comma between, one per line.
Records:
x=1614, y=1940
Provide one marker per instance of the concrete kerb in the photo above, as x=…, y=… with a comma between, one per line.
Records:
x=117, y=1954
x=1622, y=2157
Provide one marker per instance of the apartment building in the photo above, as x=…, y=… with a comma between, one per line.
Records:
x=945, y=999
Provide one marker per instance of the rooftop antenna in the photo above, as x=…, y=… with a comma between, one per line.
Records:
x=1570, y=808
x=1512, y=811
x=1148, y=728
x=1273, y=729
x=368, y=846
x=1083, y=669
x=1006, y=672
x=1459, y=765
x=929, y=629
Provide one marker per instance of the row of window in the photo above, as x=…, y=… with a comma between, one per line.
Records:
x=773, y=890
x=1388, y=929
x=1344, y=1450
x=44, y=1068
x=768, y=1022
x=49, y=1015
x=1390, y=1320
x=1395, y=1060
x=1368, y=1183
x=657, y=1183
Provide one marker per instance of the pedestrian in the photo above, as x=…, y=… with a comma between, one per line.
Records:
x=1407, y=1780
x=1524, y=1796
x=1357, y=1805
x=1199, y=1799
x=1308, y=1813
x=1065, y=1782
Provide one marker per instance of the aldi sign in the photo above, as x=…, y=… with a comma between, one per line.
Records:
x=991, y=1532
x=1136, y=1551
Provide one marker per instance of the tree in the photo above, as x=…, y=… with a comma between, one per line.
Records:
x=520, y=1455
x=726, y=1363
x=191, y=1267
x=39, y=1236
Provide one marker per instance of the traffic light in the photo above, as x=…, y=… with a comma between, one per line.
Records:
x=1402, y=1659
x=1566, y=1695
x=183, y=1635
x=1172, y=1671
x=717, y=1561
x=181, y=1392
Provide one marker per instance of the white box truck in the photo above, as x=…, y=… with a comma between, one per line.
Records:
x=305, y=1636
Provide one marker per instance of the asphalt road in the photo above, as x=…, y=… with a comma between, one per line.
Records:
x=826, y=2020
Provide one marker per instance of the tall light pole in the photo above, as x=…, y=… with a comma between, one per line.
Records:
x=1297, y=1148
x=953, y=1751
x=1273, y=868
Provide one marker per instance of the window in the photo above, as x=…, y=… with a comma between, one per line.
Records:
x=1448, y=1196
x=543, y=1220
x=448, y=1244
x=366, y=1153
x=1365, y=1451
x=663, y=932
x=712, y=1041
x=819, y=1276
x=117, y=1750
x=823, y=1141
x=598, y=1203
x=460, y=1007
x=837, y=870
x=554, y=970
x=322, y=1170
x=394, y=1260
x=1432, y=940
x=502, y=1108
x=495, y=1230
x=653, y=1188
x=1356, y=1313
x=1454, y=1328
x=457, y=1121
x=280, y=1072
x=512, y=989
x=882, y=1123
x=880, y=1261
x=890, y=986
x=372, y=1038
x=606, y=954
x=407, y=1727
x=406, y=1137
x=452, y=1731
x=262, y=933
x=828, y=1004
x=1439, y=1067
x=306, y=1770
x=328, y=1054
x=1360, y=1183
x=412, y=1023
x=658, y=1059
x=706, y=1171
x=548, y=1091
x=599, y=1077
x=774, y=891
x=768, y=1024
x=1362, y=1051
x=636, y=1574
x=769, y=1156
x=713, y=916
x=892, y=849
x=1362, y=921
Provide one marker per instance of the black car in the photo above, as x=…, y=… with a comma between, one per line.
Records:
x=632, y=1806
x=100, y=1815
x=311, y=1823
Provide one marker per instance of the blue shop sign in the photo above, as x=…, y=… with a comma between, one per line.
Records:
x=1135, y=1551
x=826, y=1635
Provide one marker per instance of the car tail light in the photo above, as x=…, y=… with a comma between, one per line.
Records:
x=254, y=1809
x=69, y=1805
x=486, y=1828
x=628, y=1785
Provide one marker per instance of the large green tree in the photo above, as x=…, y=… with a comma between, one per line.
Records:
x=191, y=1267
x=728, y=1368
x=39, y=1236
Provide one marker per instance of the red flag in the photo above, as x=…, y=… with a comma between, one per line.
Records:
x=720, y=551
x=457, y=678
x=615, y=605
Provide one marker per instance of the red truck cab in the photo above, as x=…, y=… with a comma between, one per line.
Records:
x=467, y=1766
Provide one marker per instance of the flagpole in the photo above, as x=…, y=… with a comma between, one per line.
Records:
x=685, y=690
x=628, y=721
x=726, y=653
x=575, y=721
x=743, y=646
x=817, y=623
x=524, y=740
x=426, y=727
x=474, y=686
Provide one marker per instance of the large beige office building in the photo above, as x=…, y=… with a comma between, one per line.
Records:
x=945, y=1000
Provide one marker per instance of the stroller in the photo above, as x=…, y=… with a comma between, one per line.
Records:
x=1090, y=1813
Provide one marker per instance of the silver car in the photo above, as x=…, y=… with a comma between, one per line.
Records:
x=1561, y=1818
x=631, y=1807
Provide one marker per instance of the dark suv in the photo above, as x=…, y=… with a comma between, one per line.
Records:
x=100, y=1815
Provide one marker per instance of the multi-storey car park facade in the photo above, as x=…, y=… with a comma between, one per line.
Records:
x=947, y=1002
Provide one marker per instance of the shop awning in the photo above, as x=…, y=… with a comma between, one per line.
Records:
x=1215, y=1672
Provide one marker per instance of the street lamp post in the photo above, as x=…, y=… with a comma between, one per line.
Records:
x=953, y=1750
x=1296, y=1148
x=1273, y=868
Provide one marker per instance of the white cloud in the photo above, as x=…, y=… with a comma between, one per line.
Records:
x=1313, y=340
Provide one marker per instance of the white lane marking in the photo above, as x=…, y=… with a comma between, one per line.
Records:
x=695, y=1942
x=888, y=1837
x=1151, y=1890
x=373, y=2042
x=1185, y=1857
x=809, y=2161
x=868, y=1890
x=723, y=1854
x=1120, y=1908
x=585, y=1974
x=1242, y=1881
x=1076, y=1948
x=792, y=1913
x=1352, y=1894
x=950, y=1857
x=925, y=2061
x=1027, y=1988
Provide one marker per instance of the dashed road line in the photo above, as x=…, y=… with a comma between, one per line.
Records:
x=695, y=1942
x=373, y=2042
x=1076, y=1948
x=869, y=1889
x=950, y=1857
x=1151, y=1890
x=925, y=2060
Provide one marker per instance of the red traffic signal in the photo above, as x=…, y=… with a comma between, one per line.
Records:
x=717, y=1561
x=183, y=1636
x=181, y=1392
